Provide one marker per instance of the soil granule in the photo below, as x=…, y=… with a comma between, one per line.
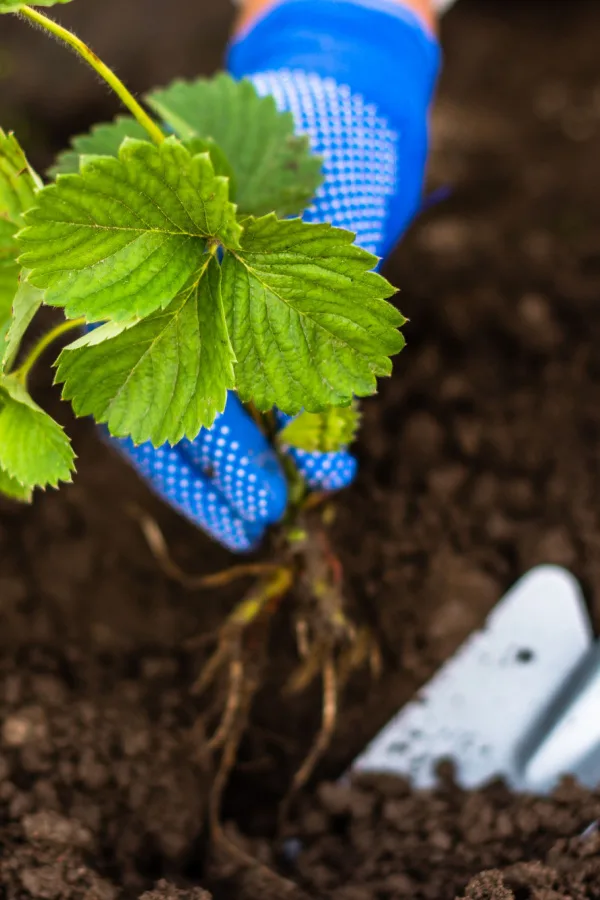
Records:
x=479, y=459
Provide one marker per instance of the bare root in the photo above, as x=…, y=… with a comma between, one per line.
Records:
x=242, y=653
x=329, y=645
x=321, y=743
x=158, y=546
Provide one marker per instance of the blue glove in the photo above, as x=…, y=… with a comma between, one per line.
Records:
x=358, y=76
x=228, y=480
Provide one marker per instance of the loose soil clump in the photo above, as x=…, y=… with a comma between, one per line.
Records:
x=377, y=838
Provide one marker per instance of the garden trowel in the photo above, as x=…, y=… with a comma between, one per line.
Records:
x=520, y=699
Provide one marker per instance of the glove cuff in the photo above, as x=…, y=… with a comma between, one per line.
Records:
x=373, y=46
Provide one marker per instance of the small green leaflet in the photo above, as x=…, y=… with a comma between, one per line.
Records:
x=34, y=449
x=308, y=320
x=28, y=300
x=324, y=432
x=18, y=182
x=7, y=6
x=274, y=168
x=124, y=236
x=103, y=140
x=161, y=379
x=10, y=487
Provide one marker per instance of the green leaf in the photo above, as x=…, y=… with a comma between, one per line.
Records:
x=18, y=187
x=10, y=487
x=123, y=237
x=274, y=168
x=9, y=268
x=9, y=283
x=221, y=164
x=18, y=182
x=4, y=326
x=7, y=6
x=34, y=449
x=308, y=321
x=324, y=432
x=103, y=140
x=8, y=244
x=160, y=379
x=9, y=278
x=26, y=303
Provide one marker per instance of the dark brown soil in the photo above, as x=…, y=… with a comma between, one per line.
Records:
x=479, y=458
x=380, y=840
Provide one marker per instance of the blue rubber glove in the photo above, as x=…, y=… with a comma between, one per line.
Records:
x=358, y=76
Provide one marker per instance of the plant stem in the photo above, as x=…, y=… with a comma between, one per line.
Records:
x=101, y=68
x=44, y=342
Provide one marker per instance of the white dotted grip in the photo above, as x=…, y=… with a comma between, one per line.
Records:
x=357, y=145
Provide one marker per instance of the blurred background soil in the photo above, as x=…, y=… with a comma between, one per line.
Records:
x=479, y=458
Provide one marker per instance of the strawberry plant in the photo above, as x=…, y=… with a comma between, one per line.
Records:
x=169, y=242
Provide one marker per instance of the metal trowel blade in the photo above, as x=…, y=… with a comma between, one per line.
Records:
x=501, y=707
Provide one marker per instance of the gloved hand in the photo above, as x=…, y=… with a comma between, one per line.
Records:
x=358, y=76
x=228, y=480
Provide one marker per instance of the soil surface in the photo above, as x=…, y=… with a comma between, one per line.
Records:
x=479, y=459
x=378, y=839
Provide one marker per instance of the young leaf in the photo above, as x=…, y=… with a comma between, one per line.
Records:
x=123, y=237
x=161, y=379
x=26, y=303
x=18, y=182
x=10, y=487
x=34, y=449
x=103, y=140
x=7, y=6
x=307, y=319
x=324, y=432
x=274, y=168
